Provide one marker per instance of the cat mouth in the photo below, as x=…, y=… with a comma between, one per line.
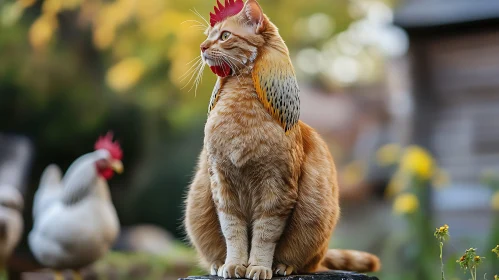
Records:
x=222, y=70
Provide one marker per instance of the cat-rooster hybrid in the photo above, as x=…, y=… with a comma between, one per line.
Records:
x=75, y=222
x=264, y=199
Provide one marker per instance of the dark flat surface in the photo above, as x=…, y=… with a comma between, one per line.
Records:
x=330, y=275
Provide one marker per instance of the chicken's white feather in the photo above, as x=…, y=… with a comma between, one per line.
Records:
x=80, y=224
x=49, y=189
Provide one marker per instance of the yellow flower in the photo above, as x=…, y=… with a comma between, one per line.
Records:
x=442, y=232
x=494, y=203
x=124, y=10
x=42, y=31
x=103, y=36
x=51, y=7
x=354, y=172
x=440, y=178
x=397, y=184
x=496, y=250
x=125, y=74
x=388, y=154
x=417, y=161
x=406, y=203
x=496, y=277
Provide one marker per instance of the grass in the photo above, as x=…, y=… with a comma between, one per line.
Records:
x=469, y=262
x=178, y=262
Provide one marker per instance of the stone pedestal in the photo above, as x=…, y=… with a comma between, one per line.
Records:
x=330, y=275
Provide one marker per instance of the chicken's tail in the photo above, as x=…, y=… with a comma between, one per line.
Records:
x=51, y=176
x=351, y=260
x=48, y=190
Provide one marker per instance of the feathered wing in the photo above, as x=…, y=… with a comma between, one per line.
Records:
x=79, y=180
x=275, y=83
x=49, y=190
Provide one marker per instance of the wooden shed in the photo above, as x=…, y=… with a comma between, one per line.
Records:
x=454, y=82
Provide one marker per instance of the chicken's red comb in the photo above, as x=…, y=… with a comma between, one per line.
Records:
x=232, y=8
x=106, y=142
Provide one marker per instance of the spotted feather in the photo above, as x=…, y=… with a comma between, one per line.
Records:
x=276, y=86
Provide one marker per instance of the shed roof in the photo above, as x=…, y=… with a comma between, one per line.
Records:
x=433, y=13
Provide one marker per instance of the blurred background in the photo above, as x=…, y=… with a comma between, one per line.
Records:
x=405, y=93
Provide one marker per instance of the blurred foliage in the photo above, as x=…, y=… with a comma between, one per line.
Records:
x=177, y=262
x=416, y=175
x=71, y=70
x=490, y=178
x=409, y=188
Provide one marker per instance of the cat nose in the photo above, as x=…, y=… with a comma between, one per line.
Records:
x=203, y=48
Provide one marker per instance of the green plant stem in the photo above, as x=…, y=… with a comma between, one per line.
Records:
x=441, y=260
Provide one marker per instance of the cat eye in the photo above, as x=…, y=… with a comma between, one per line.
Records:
x=225, y=35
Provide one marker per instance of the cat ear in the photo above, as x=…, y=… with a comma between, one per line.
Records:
x=254, y=14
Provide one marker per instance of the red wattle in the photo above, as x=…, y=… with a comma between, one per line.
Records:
x=107, y=173
x=221, y=70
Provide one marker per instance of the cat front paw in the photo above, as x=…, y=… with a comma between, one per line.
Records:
x=215, y=266
x=257, y=272
x=283, y=270
x=230, y=270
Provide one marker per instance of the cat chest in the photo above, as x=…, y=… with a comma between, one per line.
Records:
x=244, y=134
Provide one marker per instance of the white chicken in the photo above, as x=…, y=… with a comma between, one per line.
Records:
x=75, y=222
x=11, y=223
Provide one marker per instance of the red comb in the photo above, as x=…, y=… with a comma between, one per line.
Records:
x=232, y=8
x=106, y=142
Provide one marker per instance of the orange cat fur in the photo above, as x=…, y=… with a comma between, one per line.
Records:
x=264, y=199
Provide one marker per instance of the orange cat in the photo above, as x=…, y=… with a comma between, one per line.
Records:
x=264, y=199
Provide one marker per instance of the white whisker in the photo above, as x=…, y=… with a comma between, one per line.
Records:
x=233, y=58
x=198, y=79
x=197, y=25
x=196, y=21
x=201, y=71
x=229, y=59
x=191, y=73
x=233, y=65
x=199, y=15
x=196, y=58
x=194, y=66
